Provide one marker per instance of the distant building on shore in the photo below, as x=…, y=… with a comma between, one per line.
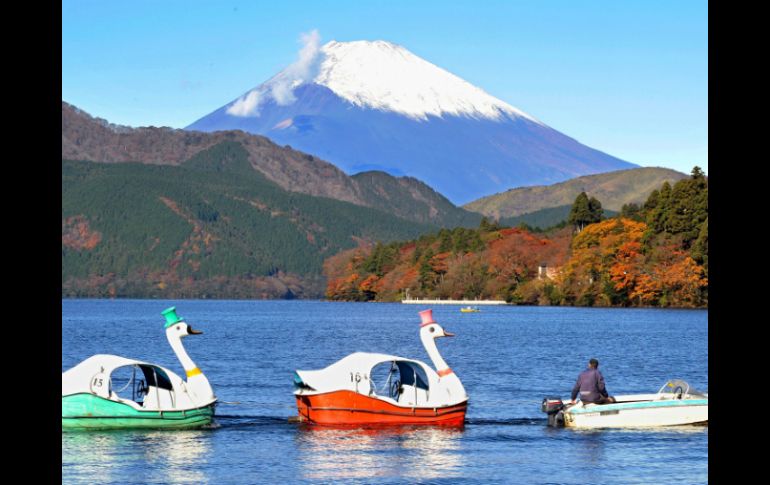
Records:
x=546, y=272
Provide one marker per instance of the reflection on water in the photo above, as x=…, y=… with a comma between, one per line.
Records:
x=105, y=457
x=406, y=452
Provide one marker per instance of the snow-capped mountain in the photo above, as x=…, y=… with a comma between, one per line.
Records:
x=376, y=106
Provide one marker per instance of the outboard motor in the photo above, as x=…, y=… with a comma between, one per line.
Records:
x=553, y=407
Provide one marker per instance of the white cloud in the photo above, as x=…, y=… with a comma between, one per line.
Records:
x=282, y=93
x=302, y=70
x=246, y=105
x=281, y=87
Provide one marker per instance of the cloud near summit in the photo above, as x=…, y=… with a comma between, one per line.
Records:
x=281, y=87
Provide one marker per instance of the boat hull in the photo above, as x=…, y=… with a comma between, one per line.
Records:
x=350, y=408
x=638, y=414
x=81, y=412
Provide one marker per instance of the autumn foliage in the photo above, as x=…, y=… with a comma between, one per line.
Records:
x=489, y=262
x=655, y=255
x=77, y=234
x=610, y=266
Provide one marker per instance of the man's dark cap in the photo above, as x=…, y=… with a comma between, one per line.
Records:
x=594, y=362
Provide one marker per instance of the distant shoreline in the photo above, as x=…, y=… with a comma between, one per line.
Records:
x=425, y=302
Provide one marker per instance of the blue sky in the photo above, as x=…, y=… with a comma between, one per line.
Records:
x=629, y=78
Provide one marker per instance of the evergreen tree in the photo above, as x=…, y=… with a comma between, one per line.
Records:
x=697, y=173
x=486, y=226
x=580, y=213
x=460, y=240
x=631, y=211
x=426, y=271
x=595, y=210
x=373, y=264
x=687, y=208
x=585, y=211
x=657, y=215
x=445, y=240
x=700, y=248
x=652, y=201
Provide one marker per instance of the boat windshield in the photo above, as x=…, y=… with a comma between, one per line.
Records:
x=680, y=389
x=155, y=376
x=132, y=381
x=388, y=377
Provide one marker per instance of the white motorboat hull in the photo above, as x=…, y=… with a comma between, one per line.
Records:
x=614, y=416
x=637, y=414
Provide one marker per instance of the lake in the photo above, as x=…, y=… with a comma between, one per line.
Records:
x=508, y=358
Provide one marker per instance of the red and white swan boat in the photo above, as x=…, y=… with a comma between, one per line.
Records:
x=372, y=389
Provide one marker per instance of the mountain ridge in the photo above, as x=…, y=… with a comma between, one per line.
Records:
x=613, y=189
x=85, y=137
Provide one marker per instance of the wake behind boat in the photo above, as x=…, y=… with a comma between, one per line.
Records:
x=676, y=403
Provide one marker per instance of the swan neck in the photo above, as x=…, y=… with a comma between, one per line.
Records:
x=181, y=353
x=430, y=347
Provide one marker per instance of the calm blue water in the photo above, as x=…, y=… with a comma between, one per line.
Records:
x=508, y=358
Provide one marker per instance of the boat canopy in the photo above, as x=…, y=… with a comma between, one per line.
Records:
x=353, y=372
x=93, y=374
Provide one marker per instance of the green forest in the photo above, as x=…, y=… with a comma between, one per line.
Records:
x=139, y=230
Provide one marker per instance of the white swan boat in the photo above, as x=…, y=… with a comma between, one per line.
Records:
x=676, y=403
x=374, y=389
x=158, y=397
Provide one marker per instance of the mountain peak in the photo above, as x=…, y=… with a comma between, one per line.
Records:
x=374, y=105
x=363, y=44
x=388, y=77
x=378, y=75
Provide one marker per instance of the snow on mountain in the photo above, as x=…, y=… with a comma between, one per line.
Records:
x=374, y=105
x=385, y=76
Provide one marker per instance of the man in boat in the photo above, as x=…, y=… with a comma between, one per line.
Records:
x=590, y=385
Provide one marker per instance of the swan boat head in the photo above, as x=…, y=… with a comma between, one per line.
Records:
x=176, y=330
x=430, y=330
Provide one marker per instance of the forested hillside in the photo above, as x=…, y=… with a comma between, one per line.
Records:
x=210, y=227
x=93, y=139
x=651, y=254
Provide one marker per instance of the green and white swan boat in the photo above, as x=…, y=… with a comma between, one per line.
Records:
x=159, y=399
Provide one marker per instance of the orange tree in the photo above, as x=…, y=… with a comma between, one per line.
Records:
x=587, y=277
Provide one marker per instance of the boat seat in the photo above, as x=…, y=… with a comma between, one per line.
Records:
x=406, y=398
x=133, y=404
x=152, y=397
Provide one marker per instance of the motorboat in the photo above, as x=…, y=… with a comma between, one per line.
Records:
x=373, y=389
x=676, y=403
x=152, y=396
x=469, y=309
